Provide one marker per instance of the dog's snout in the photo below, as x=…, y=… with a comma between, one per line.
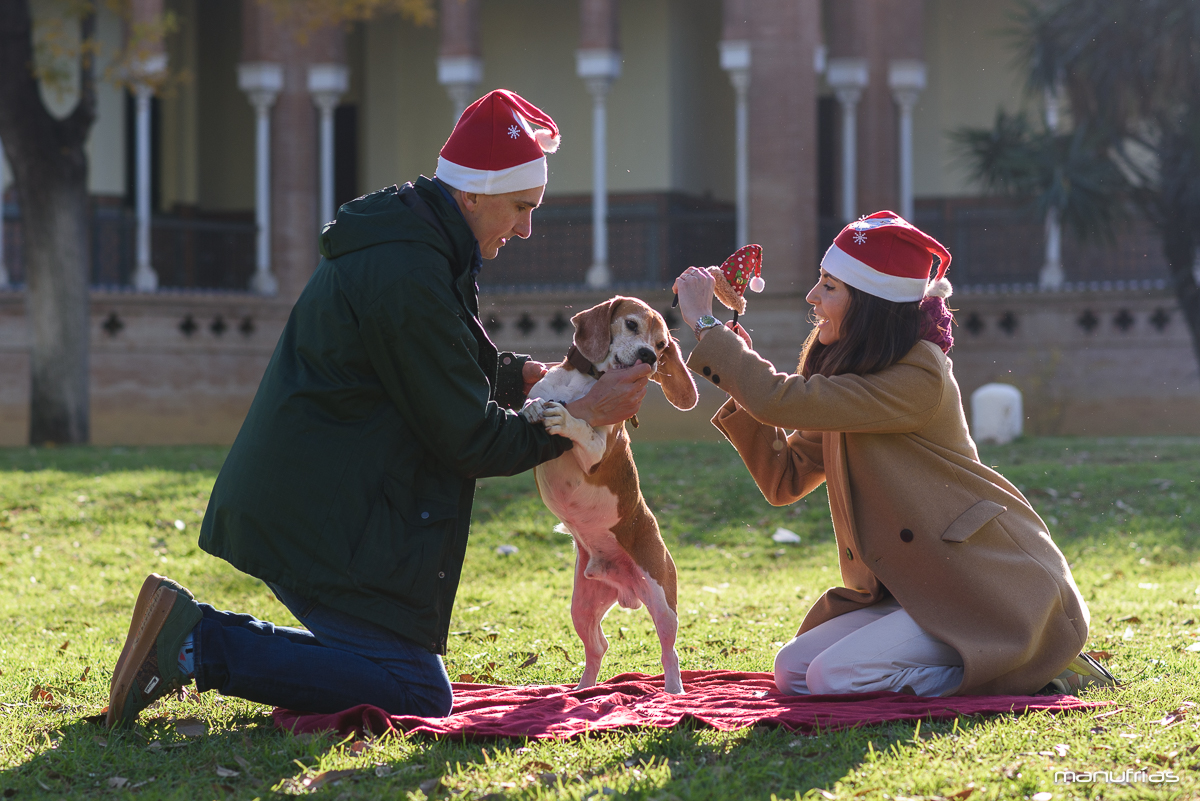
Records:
x=647, y=356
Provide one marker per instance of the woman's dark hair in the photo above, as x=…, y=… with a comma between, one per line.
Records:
x=875, y=334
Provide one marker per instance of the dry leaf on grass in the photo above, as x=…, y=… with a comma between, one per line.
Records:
x=323, y=778
x=530, y=661
x=226, y=773
x=117, y=782
x=191, y=727
x=63, y=647
x=100, y=741
x=429, y=785
x=241, y=760
x=1100, y=656
x=963, y=793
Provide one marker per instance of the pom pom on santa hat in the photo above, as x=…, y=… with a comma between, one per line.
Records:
x=742, y=269
x=887, y=256
x=494, y=148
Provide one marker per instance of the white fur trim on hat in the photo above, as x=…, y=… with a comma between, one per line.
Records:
x=844, y=267
x=493, y=182
x=940, y=288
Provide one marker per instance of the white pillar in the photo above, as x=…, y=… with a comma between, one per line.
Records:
x=906, y=79
x=599, y=68
x=145, y=279
x=262, y=81
x=4, y=283
x=460, y=75
x=848, y=77
x=735, y=59
x=1051, y=275
x=327, y=83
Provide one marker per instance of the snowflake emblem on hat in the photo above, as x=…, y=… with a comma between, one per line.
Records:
x=860, y=238
x=514, y=132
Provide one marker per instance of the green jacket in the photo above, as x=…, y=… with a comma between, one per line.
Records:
x=352, y=477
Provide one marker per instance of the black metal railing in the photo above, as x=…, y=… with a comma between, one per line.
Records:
x=651, y=239
x=186, y=252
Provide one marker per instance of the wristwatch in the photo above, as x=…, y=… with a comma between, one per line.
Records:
x=704, y=323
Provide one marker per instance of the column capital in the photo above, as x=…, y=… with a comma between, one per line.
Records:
x=735, y=54
x=598, y=64
x=906, y=75
x=847, y=74
x=459, y=69
x=327, y=83
x=262, y=81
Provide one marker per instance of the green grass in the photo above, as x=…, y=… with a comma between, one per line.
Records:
x=80, y=527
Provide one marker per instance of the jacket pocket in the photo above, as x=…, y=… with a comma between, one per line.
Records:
x=970, y=521
x=400, y=550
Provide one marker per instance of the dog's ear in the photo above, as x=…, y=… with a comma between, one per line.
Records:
x=593, y=330
x=675, y=379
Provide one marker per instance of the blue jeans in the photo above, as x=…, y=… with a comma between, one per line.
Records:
x=340, y=662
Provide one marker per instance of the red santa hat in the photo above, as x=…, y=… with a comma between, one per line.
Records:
x=494, y=147
x=742, y=269
x=886, y=256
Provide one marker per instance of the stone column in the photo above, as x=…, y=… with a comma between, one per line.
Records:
x=327, y=83
x=848, y=77
x=262, y=82
x=1051, y=275
x=460, y=61
x=734, y=48
x=4, y=281
x=598, y=62
x=148, y=66
x=906, y=79
x=782, y=101
x=878, y=32
x=292, y=134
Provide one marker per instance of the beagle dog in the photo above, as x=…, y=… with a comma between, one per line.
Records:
x=593, y=488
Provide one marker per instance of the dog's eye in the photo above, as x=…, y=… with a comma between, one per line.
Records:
x=660, y=345
x=631, y=325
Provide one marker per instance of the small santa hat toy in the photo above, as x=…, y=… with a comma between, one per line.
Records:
x=494, y=147
x=887, y=256
x=742, y=269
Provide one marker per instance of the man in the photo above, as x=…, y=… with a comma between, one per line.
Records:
x=348, y=489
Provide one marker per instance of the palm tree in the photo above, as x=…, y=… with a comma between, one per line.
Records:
x=1130, y=70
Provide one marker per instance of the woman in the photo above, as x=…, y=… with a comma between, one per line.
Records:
x=952, y=583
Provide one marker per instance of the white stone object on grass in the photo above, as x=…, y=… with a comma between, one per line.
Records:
x=996, y=413
x=506, y=549
x=785, y=535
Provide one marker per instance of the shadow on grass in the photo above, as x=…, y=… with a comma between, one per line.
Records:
x=92, y=459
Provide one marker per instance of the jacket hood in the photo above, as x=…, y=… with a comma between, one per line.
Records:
x=373, y=220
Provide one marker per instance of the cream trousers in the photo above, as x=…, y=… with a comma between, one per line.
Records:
x=868, y=650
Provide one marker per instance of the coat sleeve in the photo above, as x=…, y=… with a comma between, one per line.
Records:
x=899, y=399
x=421, y=348
x=785, y=467
x=510, y=380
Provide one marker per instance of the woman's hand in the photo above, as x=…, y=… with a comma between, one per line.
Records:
x=531, y=373
x=741, y=332
x=695, y=290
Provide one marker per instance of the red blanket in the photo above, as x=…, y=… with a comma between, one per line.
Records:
x=725, y=700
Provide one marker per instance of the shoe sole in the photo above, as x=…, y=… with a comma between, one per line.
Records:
x=150, y=627
x=145, y=596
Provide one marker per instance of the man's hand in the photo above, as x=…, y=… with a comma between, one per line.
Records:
x=531, y=373
x=615, y=398
x=741, y=332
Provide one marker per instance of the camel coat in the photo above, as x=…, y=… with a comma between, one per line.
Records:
x=915, y=514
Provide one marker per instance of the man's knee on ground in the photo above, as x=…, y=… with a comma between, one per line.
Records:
x=827, y=678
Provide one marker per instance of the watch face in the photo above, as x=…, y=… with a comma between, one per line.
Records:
x=707, y=321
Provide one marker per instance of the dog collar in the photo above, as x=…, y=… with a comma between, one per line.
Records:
x=581, y=363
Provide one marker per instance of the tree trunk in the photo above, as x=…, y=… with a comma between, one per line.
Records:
x=1179, y=247
x=50, y=175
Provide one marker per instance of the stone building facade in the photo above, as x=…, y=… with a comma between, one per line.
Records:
x=689, y=127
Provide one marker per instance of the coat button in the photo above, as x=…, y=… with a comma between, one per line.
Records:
x=716, y=378
x=424, y=515
x=441, y=575
x=708, y=371
x=508, y=360
x=849, y=555
x=906, y=535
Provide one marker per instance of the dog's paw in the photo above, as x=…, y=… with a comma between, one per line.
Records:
x=555, y=417
x=533, y=410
